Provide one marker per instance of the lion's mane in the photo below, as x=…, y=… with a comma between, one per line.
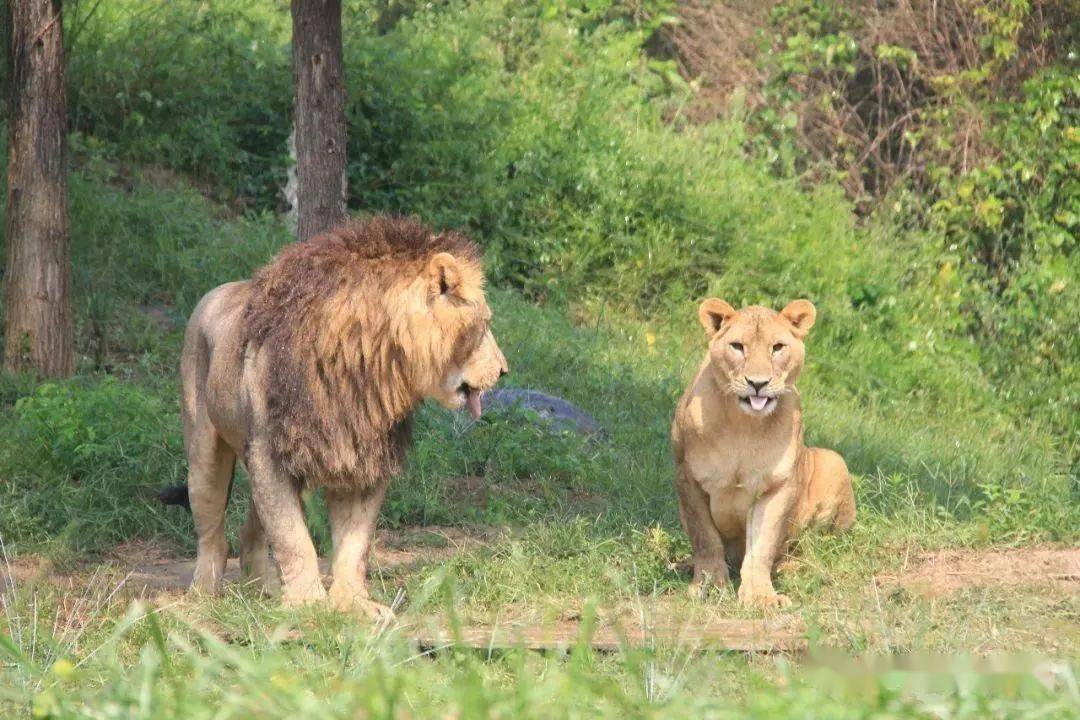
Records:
x=340, y=383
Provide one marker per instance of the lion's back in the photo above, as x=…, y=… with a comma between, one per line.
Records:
x=217, y=317
x=210, y=361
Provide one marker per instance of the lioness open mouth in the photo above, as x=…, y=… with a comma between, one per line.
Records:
x=471, y=396
x=758, y=403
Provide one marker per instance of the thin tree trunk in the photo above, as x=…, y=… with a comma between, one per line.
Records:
x=319, y=115
x=38, y=332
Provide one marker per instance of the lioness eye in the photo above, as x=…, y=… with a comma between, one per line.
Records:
x=777, y=347
x=737, y=347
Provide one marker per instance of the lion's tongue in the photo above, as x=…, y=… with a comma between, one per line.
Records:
x=758, y=402
x=473, y=400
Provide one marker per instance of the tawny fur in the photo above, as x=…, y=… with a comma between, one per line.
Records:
x=746, y=482
x=343, y=376
x=309, y=374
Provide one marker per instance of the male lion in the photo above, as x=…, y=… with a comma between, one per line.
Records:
x=309, y=373
x=746, y=483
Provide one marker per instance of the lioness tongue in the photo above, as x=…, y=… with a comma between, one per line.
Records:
x=474, y=403
x=758, y=402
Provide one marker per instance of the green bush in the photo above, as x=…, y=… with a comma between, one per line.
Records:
x=961, y=124
x=81, y=460
x=204, y=89
x=544, y=130
x=1012, y=225
x=139, y=245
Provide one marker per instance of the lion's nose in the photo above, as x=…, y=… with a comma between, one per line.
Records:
x=757, y=384
x=504, y=371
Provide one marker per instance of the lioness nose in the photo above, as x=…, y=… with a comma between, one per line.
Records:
x=504, y=371
x=757, y=384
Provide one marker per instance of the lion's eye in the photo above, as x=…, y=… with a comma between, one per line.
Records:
x=778, y=347
x=737, y=347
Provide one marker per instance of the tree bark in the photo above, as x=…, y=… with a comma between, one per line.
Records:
x=38, y=332
x=319, y=115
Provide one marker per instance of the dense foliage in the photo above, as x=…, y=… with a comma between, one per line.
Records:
x=543, y=129
x=957, y=119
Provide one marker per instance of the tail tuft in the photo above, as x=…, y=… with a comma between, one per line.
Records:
x=174, y=495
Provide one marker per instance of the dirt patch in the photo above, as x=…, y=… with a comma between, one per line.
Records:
x=946, y=572
x=151, y=566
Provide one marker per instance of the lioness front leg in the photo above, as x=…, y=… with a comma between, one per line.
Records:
x=353, y=515
x=277, y=501
x=766, y=535
x=710, y=564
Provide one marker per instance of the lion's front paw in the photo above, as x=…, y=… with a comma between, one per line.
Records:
x=206, y=581
x=294, y=595
x=359, y=603
x=762, y=597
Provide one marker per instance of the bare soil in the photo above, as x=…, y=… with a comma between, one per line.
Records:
x=946, y=572
x=152, y=567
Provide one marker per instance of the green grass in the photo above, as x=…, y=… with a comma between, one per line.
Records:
x=586, y=524
x=603, y=226
x=187, y=670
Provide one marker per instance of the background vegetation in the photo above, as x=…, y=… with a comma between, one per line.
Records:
x=574, y=141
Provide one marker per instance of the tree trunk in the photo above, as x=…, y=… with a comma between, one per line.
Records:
x=319, y=115
x=38, y=332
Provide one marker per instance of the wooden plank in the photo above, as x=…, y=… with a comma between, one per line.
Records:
x=780, y=634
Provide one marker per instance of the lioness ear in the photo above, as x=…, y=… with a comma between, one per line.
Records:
x=801, y=314
x=713, y=313
x=444, y=273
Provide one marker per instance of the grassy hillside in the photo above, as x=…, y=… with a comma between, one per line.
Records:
x=547, y=132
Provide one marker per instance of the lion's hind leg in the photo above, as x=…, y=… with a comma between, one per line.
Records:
x=830, y=498
x=210, y=471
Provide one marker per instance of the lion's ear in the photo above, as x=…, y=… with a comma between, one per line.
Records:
x=801, y=314
x=444, y=274
x=713, y=313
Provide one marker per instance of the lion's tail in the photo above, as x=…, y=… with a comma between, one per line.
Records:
x=174, y=495
x=178, y=494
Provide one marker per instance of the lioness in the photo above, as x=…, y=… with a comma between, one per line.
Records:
x=745, y=481
x=309, y=373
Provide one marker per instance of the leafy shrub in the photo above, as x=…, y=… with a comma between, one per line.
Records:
x=896, y=91
x=555, y=151
x=962, y=115
x=200, y=88
x=84, y=457
x=155, y=244
x=1012, y=225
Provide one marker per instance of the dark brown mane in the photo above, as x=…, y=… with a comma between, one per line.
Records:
x=384, y=237
x=339, y=389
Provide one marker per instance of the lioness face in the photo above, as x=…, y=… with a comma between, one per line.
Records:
x=466, y=360
x=756, y=353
